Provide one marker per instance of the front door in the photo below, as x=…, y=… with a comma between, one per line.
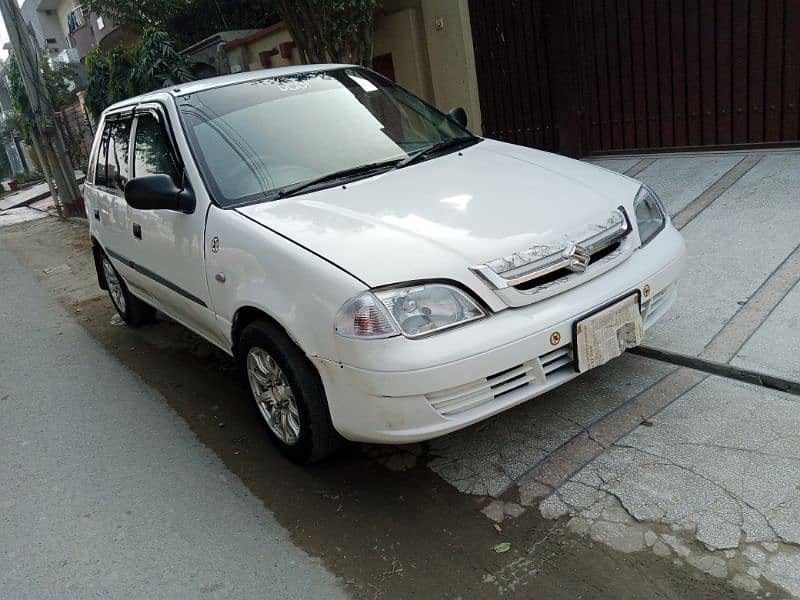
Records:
x=167, y=247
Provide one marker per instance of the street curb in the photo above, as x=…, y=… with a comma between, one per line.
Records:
x=722, y=369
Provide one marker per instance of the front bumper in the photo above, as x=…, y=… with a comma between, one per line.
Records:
x=407, y=391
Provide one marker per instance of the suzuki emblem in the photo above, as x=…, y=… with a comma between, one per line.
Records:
x=577, y=256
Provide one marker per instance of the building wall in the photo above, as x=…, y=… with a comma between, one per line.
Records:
x=401, y=35
x=63, y=9
x=45, y=25
x=452, y=58
x=430, y=42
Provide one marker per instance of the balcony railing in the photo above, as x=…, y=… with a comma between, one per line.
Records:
x=76, y=18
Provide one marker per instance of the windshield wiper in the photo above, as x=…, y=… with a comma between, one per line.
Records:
x=437, y=147
x=292, y=190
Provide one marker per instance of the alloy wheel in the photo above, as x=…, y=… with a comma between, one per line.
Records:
x=114, y=286
x=273, y=395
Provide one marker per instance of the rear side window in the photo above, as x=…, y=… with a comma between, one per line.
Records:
x=152, y=153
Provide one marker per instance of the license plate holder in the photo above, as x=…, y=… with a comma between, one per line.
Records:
x=607, y=332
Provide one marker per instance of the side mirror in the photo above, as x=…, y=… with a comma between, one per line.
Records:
x=459, y=115
x=158, y=192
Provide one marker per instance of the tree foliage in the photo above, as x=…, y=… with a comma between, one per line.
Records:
x=187, y=21
x=330, y=30
x=219, y=15
x=324, y=30
x=138, y=14
x=60, y=79
x=124, y=72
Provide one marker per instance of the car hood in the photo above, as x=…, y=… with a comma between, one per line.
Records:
x=435, y=219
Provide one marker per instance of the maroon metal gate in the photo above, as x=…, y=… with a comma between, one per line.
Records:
x=513, y=72
x=639, y=74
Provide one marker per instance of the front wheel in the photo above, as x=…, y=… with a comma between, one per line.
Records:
x=288, y=393
x=133, y=311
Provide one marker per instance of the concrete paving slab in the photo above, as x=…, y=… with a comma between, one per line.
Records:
x=733, y=246
x=23, y=197
x=775, y=347
x=620, y=165
x=15, y=216
x=680, y=179
x=45, y=204
x=487, y=458
x=715, y=479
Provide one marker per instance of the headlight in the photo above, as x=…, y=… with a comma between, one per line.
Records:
x=650, y=214
x=414, y=311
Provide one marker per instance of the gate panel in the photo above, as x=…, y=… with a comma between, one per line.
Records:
x=704, y=72
x=645, y=74
x=511, y=59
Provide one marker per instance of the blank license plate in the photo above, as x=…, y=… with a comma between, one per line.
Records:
x=608, y=333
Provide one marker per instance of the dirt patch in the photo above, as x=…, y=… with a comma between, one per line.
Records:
x=387, y=532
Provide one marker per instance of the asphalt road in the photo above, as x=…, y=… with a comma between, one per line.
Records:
x=105, y=491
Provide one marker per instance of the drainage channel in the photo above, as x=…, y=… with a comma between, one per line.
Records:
x=717, y=368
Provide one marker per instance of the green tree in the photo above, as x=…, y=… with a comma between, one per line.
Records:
x=187, y=21
x=324, y=30
x=330, y=30
x=139, y=14
x=219, y=15
x=60, y=80
x=124, y=72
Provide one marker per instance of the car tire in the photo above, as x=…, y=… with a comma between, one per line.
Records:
x=288, y=393
x=133, y=311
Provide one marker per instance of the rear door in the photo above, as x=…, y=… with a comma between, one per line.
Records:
x=107, y=207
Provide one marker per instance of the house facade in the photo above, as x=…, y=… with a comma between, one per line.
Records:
x=68, y=31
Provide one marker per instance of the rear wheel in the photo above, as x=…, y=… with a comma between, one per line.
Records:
x=288, y=393
x=133, y=311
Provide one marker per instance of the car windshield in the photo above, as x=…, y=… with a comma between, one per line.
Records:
x=255, y=138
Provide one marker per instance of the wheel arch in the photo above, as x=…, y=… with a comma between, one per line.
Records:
x=98, y=253
x=247, y=314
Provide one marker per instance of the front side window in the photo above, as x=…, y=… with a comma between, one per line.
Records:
x=152, y=151
x=254, y=138
x=117, y=169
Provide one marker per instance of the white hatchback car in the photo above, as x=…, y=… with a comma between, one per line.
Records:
x=381, y=273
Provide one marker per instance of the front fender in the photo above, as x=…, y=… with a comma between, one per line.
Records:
x=299, y=290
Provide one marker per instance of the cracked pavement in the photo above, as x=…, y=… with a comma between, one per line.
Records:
x=713, y=478
x=714, y=481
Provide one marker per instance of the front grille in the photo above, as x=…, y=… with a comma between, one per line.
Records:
x=512, y=384
x=596, y=257
x=540, y=272
x=651, y=309
x=557, y=360
x=466, y=397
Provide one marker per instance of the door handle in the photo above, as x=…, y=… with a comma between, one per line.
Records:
x=137, y=231
x=97, y=214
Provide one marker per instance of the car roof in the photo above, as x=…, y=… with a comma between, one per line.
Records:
x=201, y=85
